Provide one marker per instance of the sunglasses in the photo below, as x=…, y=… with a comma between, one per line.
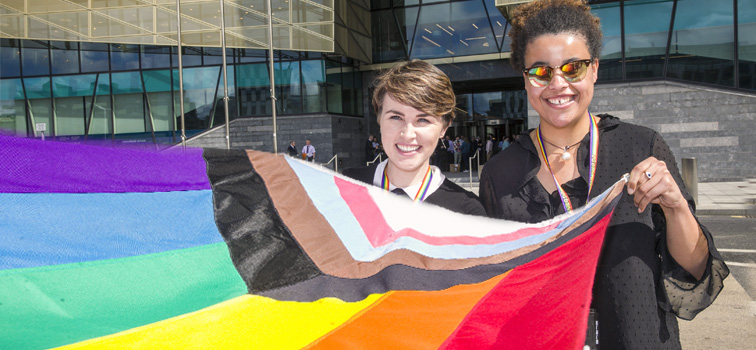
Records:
x=573, y=72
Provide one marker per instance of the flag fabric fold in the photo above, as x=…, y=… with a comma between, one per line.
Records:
x=211, y=248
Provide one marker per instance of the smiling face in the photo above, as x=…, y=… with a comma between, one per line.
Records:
x=560, y=104
x=409, y=139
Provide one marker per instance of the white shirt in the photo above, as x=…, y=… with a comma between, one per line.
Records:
x=411, y=191
x=309, y=150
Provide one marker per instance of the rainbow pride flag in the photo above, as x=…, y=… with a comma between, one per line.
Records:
x=218, y=249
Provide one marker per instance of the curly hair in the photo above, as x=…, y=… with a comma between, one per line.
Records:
x=419, y=85
x=541, y=17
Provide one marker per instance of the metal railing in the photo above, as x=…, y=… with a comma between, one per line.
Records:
x=335, y=160
x=378, y=158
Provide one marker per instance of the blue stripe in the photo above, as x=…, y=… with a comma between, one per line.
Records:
x=39, y=229
x=324, y=193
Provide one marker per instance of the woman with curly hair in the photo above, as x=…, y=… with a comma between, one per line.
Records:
x=657, y=262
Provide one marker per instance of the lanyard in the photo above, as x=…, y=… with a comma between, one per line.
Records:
x=421, y=192
x=566, y=203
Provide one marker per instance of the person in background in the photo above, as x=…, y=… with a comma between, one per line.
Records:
x=369, y=148
x=308, y=151
x=465, y=149
x=292, y=149
x=489, y=147
x=414, y=103
x=657, y=261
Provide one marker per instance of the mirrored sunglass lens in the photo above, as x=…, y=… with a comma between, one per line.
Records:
x=539, y=76
x=574, y=71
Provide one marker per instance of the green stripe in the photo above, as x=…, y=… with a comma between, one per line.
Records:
x=50, y=306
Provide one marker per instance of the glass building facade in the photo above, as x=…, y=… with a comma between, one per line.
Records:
x=698, y=41
x=106, y=70
x=109, y=71
x=130, y=92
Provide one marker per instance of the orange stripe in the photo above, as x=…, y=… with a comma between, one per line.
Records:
x=408, y=319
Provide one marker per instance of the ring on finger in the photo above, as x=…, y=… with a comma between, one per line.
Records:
x=649, y=175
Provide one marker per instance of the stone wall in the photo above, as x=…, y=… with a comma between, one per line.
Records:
x=330, y=134
x=715, y=126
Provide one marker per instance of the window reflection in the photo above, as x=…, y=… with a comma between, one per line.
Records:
x=646, y=31
x=702, y=47
x=453, y=29
x=94, y=57
x=10, y=50
x=65, y=57
x=611, y=52
x=124, y=56
x=35, y=56
x=747, y=44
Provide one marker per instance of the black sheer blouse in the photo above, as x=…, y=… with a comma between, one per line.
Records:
x=638, y=288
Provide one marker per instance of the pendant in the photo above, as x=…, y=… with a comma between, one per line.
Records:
x=566, y=155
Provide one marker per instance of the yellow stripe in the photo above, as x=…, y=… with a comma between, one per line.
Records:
x=245, y=322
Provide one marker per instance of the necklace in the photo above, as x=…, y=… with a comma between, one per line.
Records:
x=565, y=150
x=421, y=192
x=594, y=132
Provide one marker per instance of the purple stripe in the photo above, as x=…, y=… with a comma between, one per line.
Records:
x=34, y=166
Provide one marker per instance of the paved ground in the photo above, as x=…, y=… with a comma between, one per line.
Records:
x=730, y=322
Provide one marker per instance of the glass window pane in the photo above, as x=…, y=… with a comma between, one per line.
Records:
x=200, y=96
x=288, y=89
x=498, y=22
x=453, y=29
x=313, y=80
x=702, y=47
x=157, y=80
x=389, y=42
x=12, y=111
x=488, y=105
x=10, y=51
x=94, y=57
x=254, y=91
x=214, y=55
x=333, y=78
x=129, y=113
x=38, y=93
x=74, y=85
x=190, y=56
x=65, y=57
x=611, y=52
x=69, y=114
x=646, y=32
x=154, y=56
x=464, y=107
x=747, y=44
x=126, y=83
x=162, y=110
x=35, y=57
x=124, y=57
x=101, y=123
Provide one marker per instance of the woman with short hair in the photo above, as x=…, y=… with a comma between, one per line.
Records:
x=415, y=102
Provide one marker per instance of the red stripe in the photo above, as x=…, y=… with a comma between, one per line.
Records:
x=543, y=304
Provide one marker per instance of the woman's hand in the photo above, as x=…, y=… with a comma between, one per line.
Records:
x=651, y=182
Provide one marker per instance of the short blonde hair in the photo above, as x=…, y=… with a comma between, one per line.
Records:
x=419, y=85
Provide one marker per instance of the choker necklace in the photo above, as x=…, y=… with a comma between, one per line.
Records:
x=565, y=154
x=593, y=156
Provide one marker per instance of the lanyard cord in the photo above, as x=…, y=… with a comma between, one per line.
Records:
x=566, y=203
x=421, y=192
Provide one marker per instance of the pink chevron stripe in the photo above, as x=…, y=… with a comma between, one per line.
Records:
x=379, y=233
